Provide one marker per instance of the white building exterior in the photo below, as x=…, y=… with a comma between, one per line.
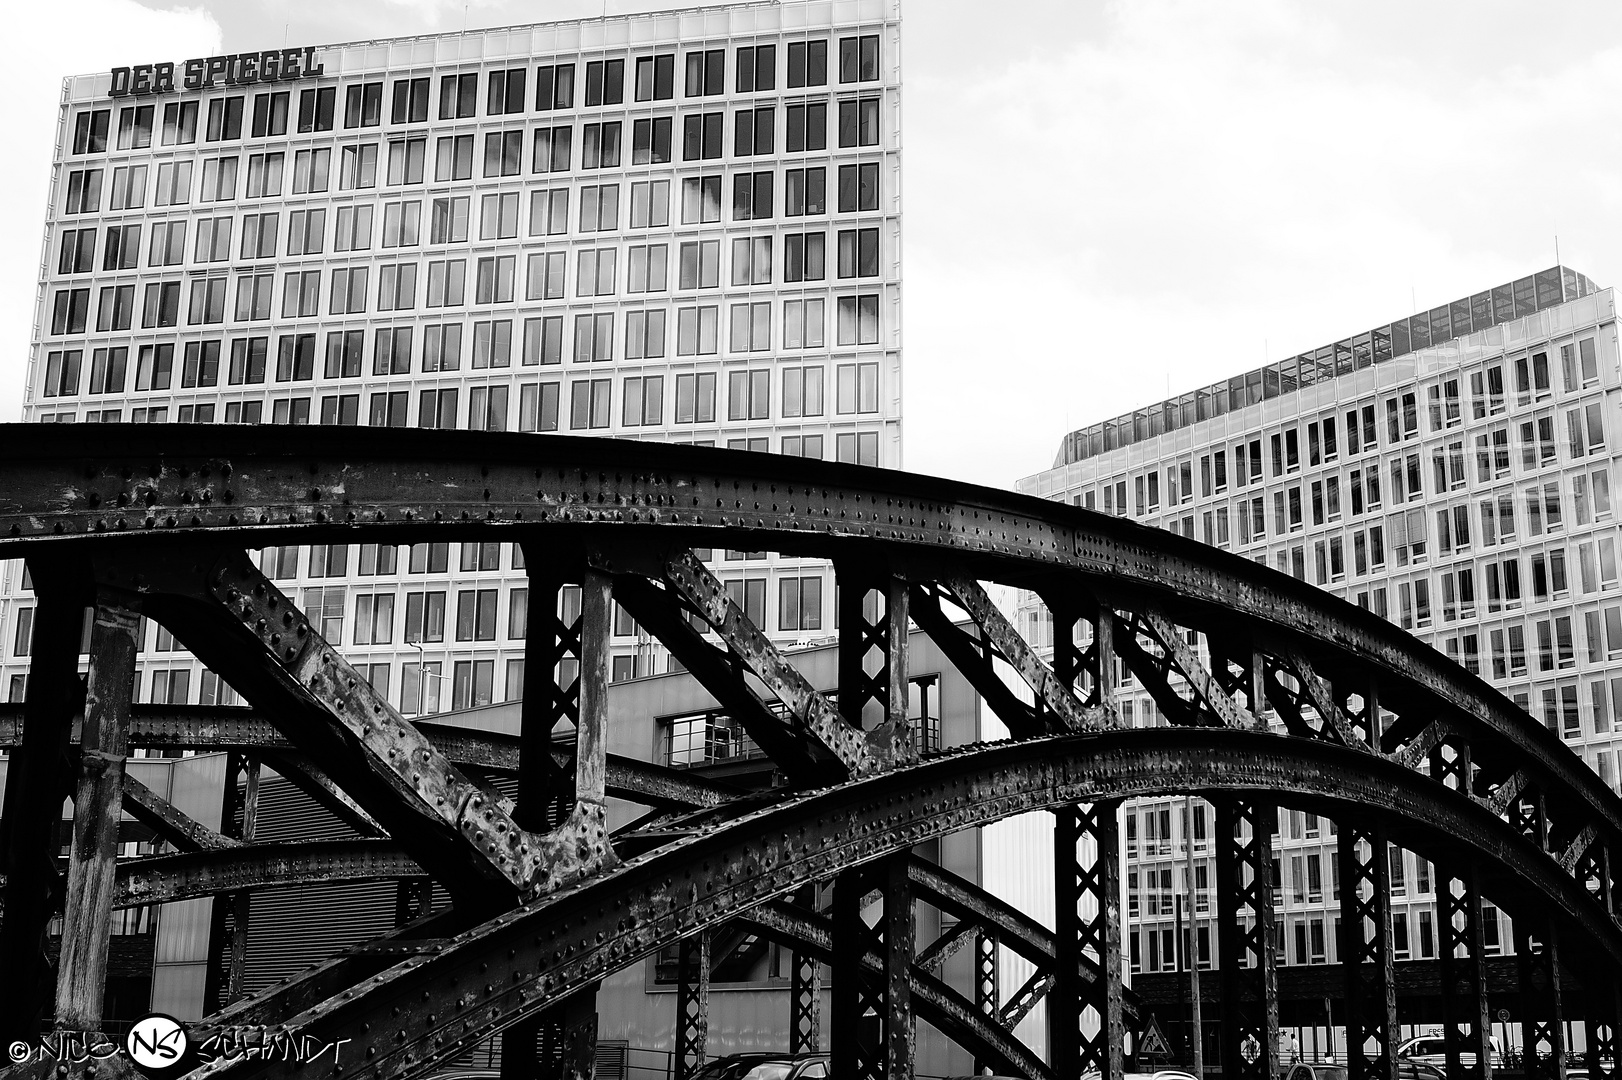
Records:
x=1452, y=472
x=681, y=226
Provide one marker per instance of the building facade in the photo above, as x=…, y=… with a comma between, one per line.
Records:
x=680, y=226
x=1452, y=473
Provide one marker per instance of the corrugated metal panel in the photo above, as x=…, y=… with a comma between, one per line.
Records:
x=292, y=929
x=286, y=813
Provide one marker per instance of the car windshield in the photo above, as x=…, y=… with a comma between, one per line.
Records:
x=770, y=1070
x=1329, y=1072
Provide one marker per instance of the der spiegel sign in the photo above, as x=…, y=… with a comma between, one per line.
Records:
x=204, y=72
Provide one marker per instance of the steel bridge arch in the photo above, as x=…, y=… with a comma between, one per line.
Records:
x=495, y=974
x=136, y=519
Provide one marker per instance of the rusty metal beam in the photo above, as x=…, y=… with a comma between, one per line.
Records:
x=158, y=487
x=812, y=712
x=1055, y=696
x=554, y=942
x=973, y=656
x=310, y=778
x=1181, y=658
x=228, y=727
x=159, y=814
x=165, y=878
x=720, y=673
x=239, y=483
x=37, y=782
x=936, y=1003
x=81, y=975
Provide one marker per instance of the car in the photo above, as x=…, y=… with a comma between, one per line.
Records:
x=1312, y=1070
x=1408, y=1069
x=1159, y=1074
x=765, y=1066
x=1429, y=1049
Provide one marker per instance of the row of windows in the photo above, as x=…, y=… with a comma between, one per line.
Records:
x=1484, y=460
x=456, y=157
x=540, y=341
x=753, y=261
x=589, y=405
x=449, y=218
x=494, y=283
x=693, y=396
x=1531, y=382
x=506, y=93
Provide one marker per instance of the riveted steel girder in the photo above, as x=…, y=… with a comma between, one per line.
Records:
x=146, y=500
x=116, y=483
x=555, y=945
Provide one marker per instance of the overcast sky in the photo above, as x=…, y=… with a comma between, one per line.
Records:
x=1103, y=201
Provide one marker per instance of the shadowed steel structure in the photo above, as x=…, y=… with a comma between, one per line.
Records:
x=1375, y=731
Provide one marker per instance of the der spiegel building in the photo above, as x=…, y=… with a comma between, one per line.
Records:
x=681, y=226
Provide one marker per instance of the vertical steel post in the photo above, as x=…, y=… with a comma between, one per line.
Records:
x=850, y=1039
x=805, y=991
x=1461, y=949
x=1085, y=1017
x=879, y=643
x=1366, y=951
x=1602, y=1026
x=560, y=1043
x=1248, y=973
x=900, y=1047
x=38, y=780
x=81, y=977
x=692, y=1002
x=241, y=902
x=1543, y=1027
x=873, y=1033
x=987, y=986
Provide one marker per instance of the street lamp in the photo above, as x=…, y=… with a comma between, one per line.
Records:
x=423, y=675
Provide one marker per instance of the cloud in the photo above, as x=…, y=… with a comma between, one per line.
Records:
x=1199, y=188
x=61, y=40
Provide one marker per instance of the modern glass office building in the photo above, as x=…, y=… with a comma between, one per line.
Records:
x=680, y=226
x=1452, y=472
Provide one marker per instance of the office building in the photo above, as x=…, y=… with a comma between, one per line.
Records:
x=1452, y=472
x=678, y=226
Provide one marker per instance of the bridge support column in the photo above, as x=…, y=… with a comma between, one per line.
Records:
x=38, y=780
x=228, y=925
x=1085, y=1016
x=81, y=975
x=878, y=643
x=1603, y=1028
x=1461, y=948
x=987, y=986
x=805, y=991
x=1542, y=1012
x=873, y=1032
x=553, y=660
x=692, y=1003
x=1248, y=976
x=1366, y=951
